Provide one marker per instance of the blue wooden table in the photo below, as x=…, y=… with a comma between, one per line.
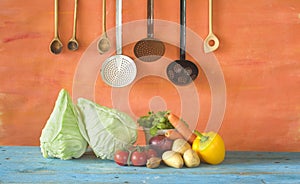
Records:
x=26, y=165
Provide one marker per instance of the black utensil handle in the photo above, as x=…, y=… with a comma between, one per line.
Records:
x=150, y=16
x=182, y=29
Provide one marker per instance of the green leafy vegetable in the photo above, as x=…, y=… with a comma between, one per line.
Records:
x=155, y=121
x=61, y=136
x=107, y=130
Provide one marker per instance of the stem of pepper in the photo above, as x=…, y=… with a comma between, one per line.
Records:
x=202, y=137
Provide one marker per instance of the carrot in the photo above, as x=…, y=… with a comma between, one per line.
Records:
x=173, y=134
x=182, y=128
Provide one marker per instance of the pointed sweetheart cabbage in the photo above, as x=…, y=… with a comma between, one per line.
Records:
x=108, y=130
x=61, y=136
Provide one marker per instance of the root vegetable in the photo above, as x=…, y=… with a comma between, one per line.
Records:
x=191, y=158
x=182, y=128
x=173, y=159
x=173, y=134
x=153, y=162
x=180, y=146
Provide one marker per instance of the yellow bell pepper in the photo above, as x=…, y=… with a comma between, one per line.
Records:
x=210, y=147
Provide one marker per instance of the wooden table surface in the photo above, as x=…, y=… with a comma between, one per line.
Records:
x=19, y=164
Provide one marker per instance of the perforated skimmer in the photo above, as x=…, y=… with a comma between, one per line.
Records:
x=149, y=49
x=118, y=70
x=182, y=72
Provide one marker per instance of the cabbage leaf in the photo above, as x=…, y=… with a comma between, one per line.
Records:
x=107, y=130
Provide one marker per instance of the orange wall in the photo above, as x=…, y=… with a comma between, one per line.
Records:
x=259, y=56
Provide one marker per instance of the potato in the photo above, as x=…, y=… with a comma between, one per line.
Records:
x=173, y=159
x=191, y=158
x=180, y=146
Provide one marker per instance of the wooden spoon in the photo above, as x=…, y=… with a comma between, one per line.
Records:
x=103, y=43
x=73, y=43
x=56, y=45
x=211, y=42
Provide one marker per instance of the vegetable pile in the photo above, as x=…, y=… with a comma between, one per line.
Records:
x=186, y=149
x=111, y=134
x=209, y=146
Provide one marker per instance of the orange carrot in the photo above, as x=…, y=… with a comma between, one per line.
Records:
x=173, y=134
x=182, y=128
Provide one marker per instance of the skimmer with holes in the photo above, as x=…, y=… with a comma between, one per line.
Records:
x=182, y=72
x=149, y=49
x=118, y=70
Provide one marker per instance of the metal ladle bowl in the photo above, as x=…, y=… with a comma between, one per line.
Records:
x=149, y=49
x=182, y=72
x=118, y=70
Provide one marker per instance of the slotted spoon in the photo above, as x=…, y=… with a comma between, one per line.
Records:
x=118, y=70
x=149, y=49
x=182, y=72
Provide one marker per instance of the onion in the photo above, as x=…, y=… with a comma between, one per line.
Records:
x=160, y=143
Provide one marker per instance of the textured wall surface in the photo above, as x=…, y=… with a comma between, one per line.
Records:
x=259, y=57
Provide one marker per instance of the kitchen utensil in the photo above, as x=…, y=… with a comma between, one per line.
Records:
x=149, y=49
x=73, y=43
x=211, y=42
x=103, y=43
x=56, y=45
x=182, y=72
x=118, y=70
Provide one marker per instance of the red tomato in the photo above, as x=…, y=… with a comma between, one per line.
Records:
x=139, y=158
x=151, y=153
x=121, y=157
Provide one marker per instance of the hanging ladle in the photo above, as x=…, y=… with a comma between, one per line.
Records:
x=182, y=72
x=118, y=70
x=211, y=42
x=73, y=43
x=56, y=45
x=149, y=49
x=103, y=43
